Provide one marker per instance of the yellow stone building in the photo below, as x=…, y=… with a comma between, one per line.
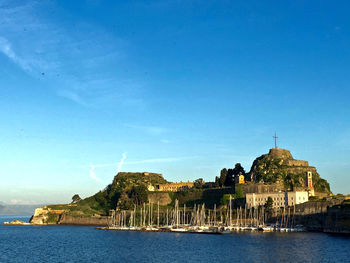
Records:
x=174, y=187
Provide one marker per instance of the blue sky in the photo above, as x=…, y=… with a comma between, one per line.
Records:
x=183, y=88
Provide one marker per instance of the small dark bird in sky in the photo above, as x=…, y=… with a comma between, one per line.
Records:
x=43, y=73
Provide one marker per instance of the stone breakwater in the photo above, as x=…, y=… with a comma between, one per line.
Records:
x=17, y=223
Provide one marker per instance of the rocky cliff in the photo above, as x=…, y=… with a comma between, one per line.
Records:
x=46, y=215
x=279, y=167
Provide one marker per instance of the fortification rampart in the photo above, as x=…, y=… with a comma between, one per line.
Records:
x=174, y=187
x=337, y=219
x=297, y=163
x=280, y=153
x=162, y=198
x=260, y=188
x=314, y=215
x=79, y=220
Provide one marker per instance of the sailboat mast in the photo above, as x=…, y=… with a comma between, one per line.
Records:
x=167, y=217
x=140, y=215
x=152, y=214
x=214, y=214
x=209, y=217
x=158, y=215
x=149, y=214
x=230, y=210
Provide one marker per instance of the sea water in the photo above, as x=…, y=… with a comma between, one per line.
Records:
x=88, y=244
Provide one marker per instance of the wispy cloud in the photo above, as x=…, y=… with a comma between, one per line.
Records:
x=92, y=173
x=153, y=130
x=6, y=49
x=120, y=164
x=94, y=166
x=75, y=62
x=71, y=95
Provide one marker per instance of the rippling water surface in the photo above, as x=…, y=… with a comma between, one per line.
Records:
x=87, y=244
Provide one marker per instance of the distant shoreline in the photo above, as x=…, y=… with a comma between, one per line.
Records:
x=15, y=216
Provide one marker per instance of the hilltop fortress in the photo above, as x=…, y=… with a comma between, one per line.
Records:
x=281, y=159
x=277, y=175
x=278, y=170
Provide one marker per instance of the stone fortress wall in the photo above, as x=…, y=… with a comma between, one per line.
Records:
x=262, y=188
x=174, y=187
x=297, y=163
x=162, y=198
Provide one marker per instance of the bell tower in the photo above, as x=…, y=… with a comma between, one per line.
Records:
x=308, y=179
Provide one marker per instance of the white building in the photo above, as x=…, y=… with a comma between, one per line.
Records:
x=297, y=197
x=280, y=199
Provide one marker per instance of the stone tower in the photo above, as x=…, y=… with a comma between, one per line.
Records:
x=308, y=182
x=308, y=179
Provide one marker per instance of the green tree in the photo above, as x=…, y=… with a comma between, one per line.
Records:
x=198, y=183
x=239, y=192
x=217, y=181
x=269, y=203
x=138, y=194
x=238, y=170
x=229, y=180
x=225, y=198
x=222, y=178
x=124, y=202
x=76, y=198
